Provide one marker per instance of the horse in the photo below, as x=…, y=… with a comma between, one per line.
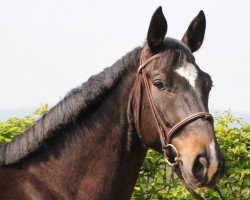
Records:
x=92, y=144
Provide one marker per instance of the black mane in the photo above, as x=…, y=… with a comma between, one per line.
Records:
x=79, y=100
x=67, y=110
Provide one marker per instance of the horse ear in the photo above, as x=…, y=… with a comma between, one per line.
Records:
x=195, y=34
x=157, y=30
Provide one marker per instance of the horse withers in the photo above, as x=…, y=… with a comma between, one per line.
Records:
x=91, y=145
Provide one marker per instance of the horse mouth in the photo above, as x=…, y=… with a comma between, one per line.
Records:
x=194, y=183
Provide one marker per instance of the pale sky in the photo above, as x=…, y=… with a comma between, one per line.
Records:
x=49, y=47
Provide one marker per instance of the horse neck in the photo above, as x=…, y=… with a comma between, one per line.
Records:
x=101, y=155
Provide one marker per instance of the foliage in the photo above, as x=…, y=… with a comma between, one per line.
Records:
x=155, y=180
x=234, y=139
x=15, y=125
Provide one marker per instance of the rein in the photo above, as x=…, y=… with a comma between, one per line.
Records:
x=165, y=134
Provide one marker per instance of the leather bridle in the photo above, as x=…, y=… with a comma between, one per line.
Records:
x=165, y=133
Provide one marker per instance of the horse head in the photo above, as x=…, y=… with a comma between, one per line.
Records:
x=174, y=91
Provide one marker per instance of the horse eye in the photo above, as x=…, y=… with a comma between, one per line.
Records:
x=159, y=85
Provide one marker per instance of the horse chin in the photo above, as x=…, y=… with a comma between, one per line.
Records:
x=195, y=183
x=192, y=182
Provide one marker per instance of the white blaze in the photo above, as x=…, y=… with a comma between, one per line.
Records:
x=213, y=161
x=213, y=152
x=189, y=72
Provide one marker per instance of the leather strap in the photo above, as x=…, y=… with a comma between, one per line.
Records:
x=161, y=128
x=142, y=65
x=186, y=121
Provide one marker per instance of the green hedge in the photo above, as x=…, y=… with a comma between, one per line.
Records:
x=234, y=139
x=15, y=125
x=155, y=180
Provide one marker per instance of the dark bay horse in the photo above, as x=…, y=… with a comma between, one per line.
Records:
x=92, y=144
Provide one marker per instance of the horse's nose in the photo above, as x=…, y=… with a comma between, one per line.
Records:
x=200, y=167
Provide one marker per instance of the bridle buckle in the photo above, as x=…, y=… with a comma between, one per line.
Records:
x=177, y=159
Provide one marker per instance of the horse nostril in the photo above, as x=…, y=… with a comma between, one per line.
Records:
x=199, y=169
